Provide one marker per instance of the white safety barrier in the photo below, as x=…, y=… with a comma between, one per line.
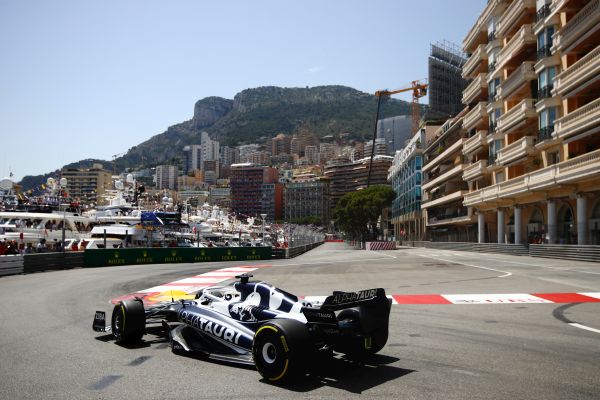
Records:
x=381, y=245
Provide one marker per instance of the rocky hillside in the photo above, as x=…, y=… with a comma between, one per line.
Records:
x=261, y=113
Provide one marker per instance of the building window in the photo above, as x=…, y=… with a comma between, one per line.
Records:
x=546, y=123
x=544, y=43
x=546, y=82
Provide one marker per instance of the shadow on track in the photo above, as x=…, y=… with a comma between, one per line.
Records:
x=352, y=376
x=337, y=372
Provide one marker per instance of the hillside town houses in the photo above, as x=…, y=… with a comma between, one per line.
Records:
x=508, y=152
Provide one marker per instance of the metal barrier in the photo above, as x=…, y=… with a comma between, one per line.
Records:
x=513, y=249
x=52, y=261
x=11, y=265
x=569, y=252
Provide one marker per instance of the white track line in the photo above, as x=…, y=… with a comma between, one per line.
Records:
x=587, y=328
x=332, y=262
x=506, y=273
x=543, y=266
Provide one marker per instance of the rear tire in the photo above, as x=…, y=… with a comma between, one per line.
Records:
x=279, y=350
x=128, y=322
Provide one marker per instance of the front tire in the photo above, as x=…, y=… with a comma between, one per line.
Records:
x=128, y=322
x=279, y=350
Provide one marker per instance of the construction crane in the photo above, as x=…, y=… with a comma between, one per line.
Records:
x=418, y=90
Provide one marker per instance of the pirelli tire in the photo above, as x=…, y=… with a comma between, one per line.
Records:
x=128, y=322
x=281, y=350
x=370, y=343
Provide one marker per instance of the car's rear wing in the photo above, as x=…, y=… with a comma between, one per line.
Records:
x=343, y=300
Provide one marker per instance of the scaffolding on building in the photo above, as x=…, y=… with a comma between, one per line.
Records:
x=446, y=84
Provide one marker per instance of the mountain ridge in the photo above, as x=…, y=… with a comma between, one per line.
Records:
x=255, y=113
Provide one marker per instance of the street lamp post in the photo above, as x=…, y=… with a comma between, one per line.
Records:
x=63, y=184
x=263, y=216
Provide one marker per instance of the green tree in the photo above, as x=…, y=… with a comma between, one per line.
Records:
x=356, y=213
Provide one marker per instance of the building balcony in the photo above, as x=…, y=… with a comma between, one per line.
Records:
x=513, y=16
x=517, y=150
x=584, y=167
x=475, y=116
x=458, y=195
x=474, y=62
x=583, y=121
x=523, y=38
x=579, y=28
x=516, y=116
x=579, y=75
x=475, y=143
x=475, y=171
x=579, y=169
x=546, y=138
x=457, y=170
x=475, y=90
x=517, y=80
x=455, y=147
x=478, y=33
x=464, y=217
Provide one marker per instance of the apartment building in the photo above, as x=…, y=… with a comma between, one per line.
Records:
x=88, y=185
x=533, y=121
x=405, y=176
x=346, y=176
x=446, y=218
x=166, y=177
x=307, y=198
x=247, y=181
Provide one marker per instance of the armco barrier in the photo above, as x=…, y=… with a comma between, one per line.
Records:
x=52, y=261
x=569, y=252
x=11, y=265
x=128, y=256
x=513, y=249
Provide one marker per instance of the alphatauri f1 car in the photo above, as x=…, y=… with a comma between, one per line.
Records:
x=258, y=324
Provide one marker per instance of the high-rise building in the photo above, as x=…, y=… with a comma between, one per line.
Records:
x=405, y=175
x=192, y=156
x=210, y=148
x=246, y=184
x=229, y=155
x=395, y=131
x=308, y=198
x=380, y=148
x=280, y=144
x=345, y=176
x=272, y=201
x=88, y=185
x=166, y=177
x=445, y=81
x=534, y=121
x=312, y=154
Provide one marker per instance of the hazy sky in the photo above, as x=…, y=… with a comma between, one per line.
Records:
x=90, y=79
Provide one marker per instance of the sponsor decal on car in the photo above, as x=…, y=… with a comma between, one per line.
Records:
x=208, y=326
x=351, y=297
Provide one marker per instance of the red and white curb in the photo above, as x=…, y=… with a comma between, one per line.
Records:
x=188, y=286
x=505, y=298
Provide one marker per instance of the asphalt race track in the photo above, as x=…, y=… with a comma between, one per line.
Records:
x=510, y=350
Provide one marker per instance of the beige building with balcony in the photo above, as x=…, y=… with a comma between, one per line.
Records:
x=446, y=218
x=532, y=135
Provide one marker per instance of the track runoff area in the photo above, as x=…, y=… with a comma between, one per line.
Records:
x=187, y=288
